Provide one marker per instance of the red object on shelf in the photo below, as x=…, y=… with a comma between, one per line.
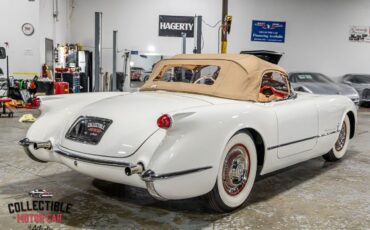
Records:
x=61, y=87
x=61, y=70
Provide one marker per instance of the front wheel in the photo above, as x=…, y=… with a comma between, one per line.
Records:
x=236, y=175
x=341, y=145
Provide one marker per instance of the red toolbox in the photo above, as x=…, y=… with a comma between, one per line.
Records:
x=61, y=87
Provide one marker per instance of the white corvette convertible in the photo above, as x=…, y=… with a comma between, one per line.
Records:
x=201, y=125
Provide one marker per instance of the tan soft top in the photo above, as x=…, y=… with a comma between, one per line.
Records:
x=239, y=78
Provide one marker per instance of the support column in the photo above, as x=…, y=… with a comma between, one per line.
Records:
x=199, y=20
x=98, y=50
x=114, y=74
x=183, y=43
x=184, y=52
x=225, y=4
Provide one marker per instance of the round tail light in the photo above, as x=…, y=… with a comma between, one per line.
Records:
x=164, y=121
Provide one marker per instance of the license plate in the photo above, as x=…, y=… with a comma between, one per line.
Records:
x=88, y=130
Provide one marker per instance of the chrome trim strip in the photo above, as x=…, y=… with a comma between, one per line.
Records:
x=290, y=143
x=153, y=192
x=150, y=176
x=90, y=160
x=30, y=155
x=327, y=134
x=302, y=140
x=138, y=148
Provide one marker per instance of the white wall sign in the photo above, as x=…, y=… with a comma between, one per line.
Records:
x=359, y=34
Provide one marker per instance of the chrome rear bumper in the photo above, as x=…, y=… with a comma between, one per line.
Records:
x=148, y=176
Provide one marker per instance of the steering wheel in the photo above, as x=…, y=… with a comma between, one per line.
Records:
x=204, y=78
x=267, y=90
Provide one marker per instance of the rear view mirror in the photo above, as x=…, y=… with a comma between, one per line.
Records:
x=2, y=53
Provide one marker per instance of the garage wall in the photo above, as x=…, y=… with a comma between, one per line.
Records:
x=317, y=33
x=57, y=30
x=137, y=25
x=23, y=51
x=316, y=39
x=27, y=53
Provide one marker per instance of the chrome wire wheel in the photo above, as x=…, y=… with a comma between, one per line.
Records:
x=340, y=146
x=236, y=174
x=342, y=138
x=235, y=171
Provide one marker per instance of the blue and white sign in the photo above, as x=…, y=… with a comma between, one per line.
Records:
x=268, y=31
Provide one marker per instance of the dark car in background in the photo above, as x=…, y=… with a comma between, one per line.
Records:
x=361, y=82
x=318, y=83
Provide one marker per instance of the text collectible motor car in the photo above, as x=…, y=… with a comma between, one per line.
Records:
x=201, y=125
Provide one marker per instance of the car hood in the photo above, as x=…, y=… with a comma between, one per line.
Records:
x=328, y=88
x=267, y=55
x=134, y=119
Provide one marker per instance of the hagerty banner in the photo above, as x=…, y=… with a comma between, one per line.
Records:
x=174, y=26
x=268, y=31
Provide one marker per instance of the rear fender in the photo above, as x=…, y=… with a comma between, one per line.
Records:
x=198, y=140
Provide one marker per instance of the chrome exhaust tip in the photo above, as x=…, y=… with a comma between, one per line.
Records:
x=134, y=169
x=42, y=145
x=36, y=145
x=25, y=143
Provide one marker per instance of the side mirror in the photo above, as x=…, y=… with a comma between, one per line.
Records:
x=347, y=82
x=2, y=53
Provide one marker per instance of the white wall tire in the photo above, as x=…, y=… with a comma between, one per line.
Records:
x=236, y=175
x=341, y=145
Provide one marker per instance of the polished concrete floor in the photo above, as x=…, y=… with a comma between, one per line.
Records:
x=311, y=195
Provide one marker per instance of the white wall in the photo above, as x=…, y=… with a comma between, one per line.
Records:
x=56, y=30
x=27, y=53
x=14, y=13
x=137, y=25
x=316, y=37
x=317, y=33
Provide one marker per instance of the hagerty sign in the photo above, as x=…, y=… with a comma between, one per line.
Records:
x=174, y=26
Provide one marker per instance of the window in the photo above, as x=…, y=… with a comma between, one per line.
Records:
x=311, y=77
x=193, y=74
x=274, y=87
x=359, y=79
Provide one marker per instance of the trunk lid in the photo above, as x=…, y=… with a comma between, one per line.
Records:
x=133, y=120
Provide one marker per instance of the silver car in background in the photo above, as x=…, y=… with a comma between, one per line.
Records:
x=318, y=83
x=361, y=82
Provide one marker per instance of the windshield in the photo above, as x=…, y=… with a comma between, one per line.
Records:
x=193, y=74
x=359, y=79
x=310, y=77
